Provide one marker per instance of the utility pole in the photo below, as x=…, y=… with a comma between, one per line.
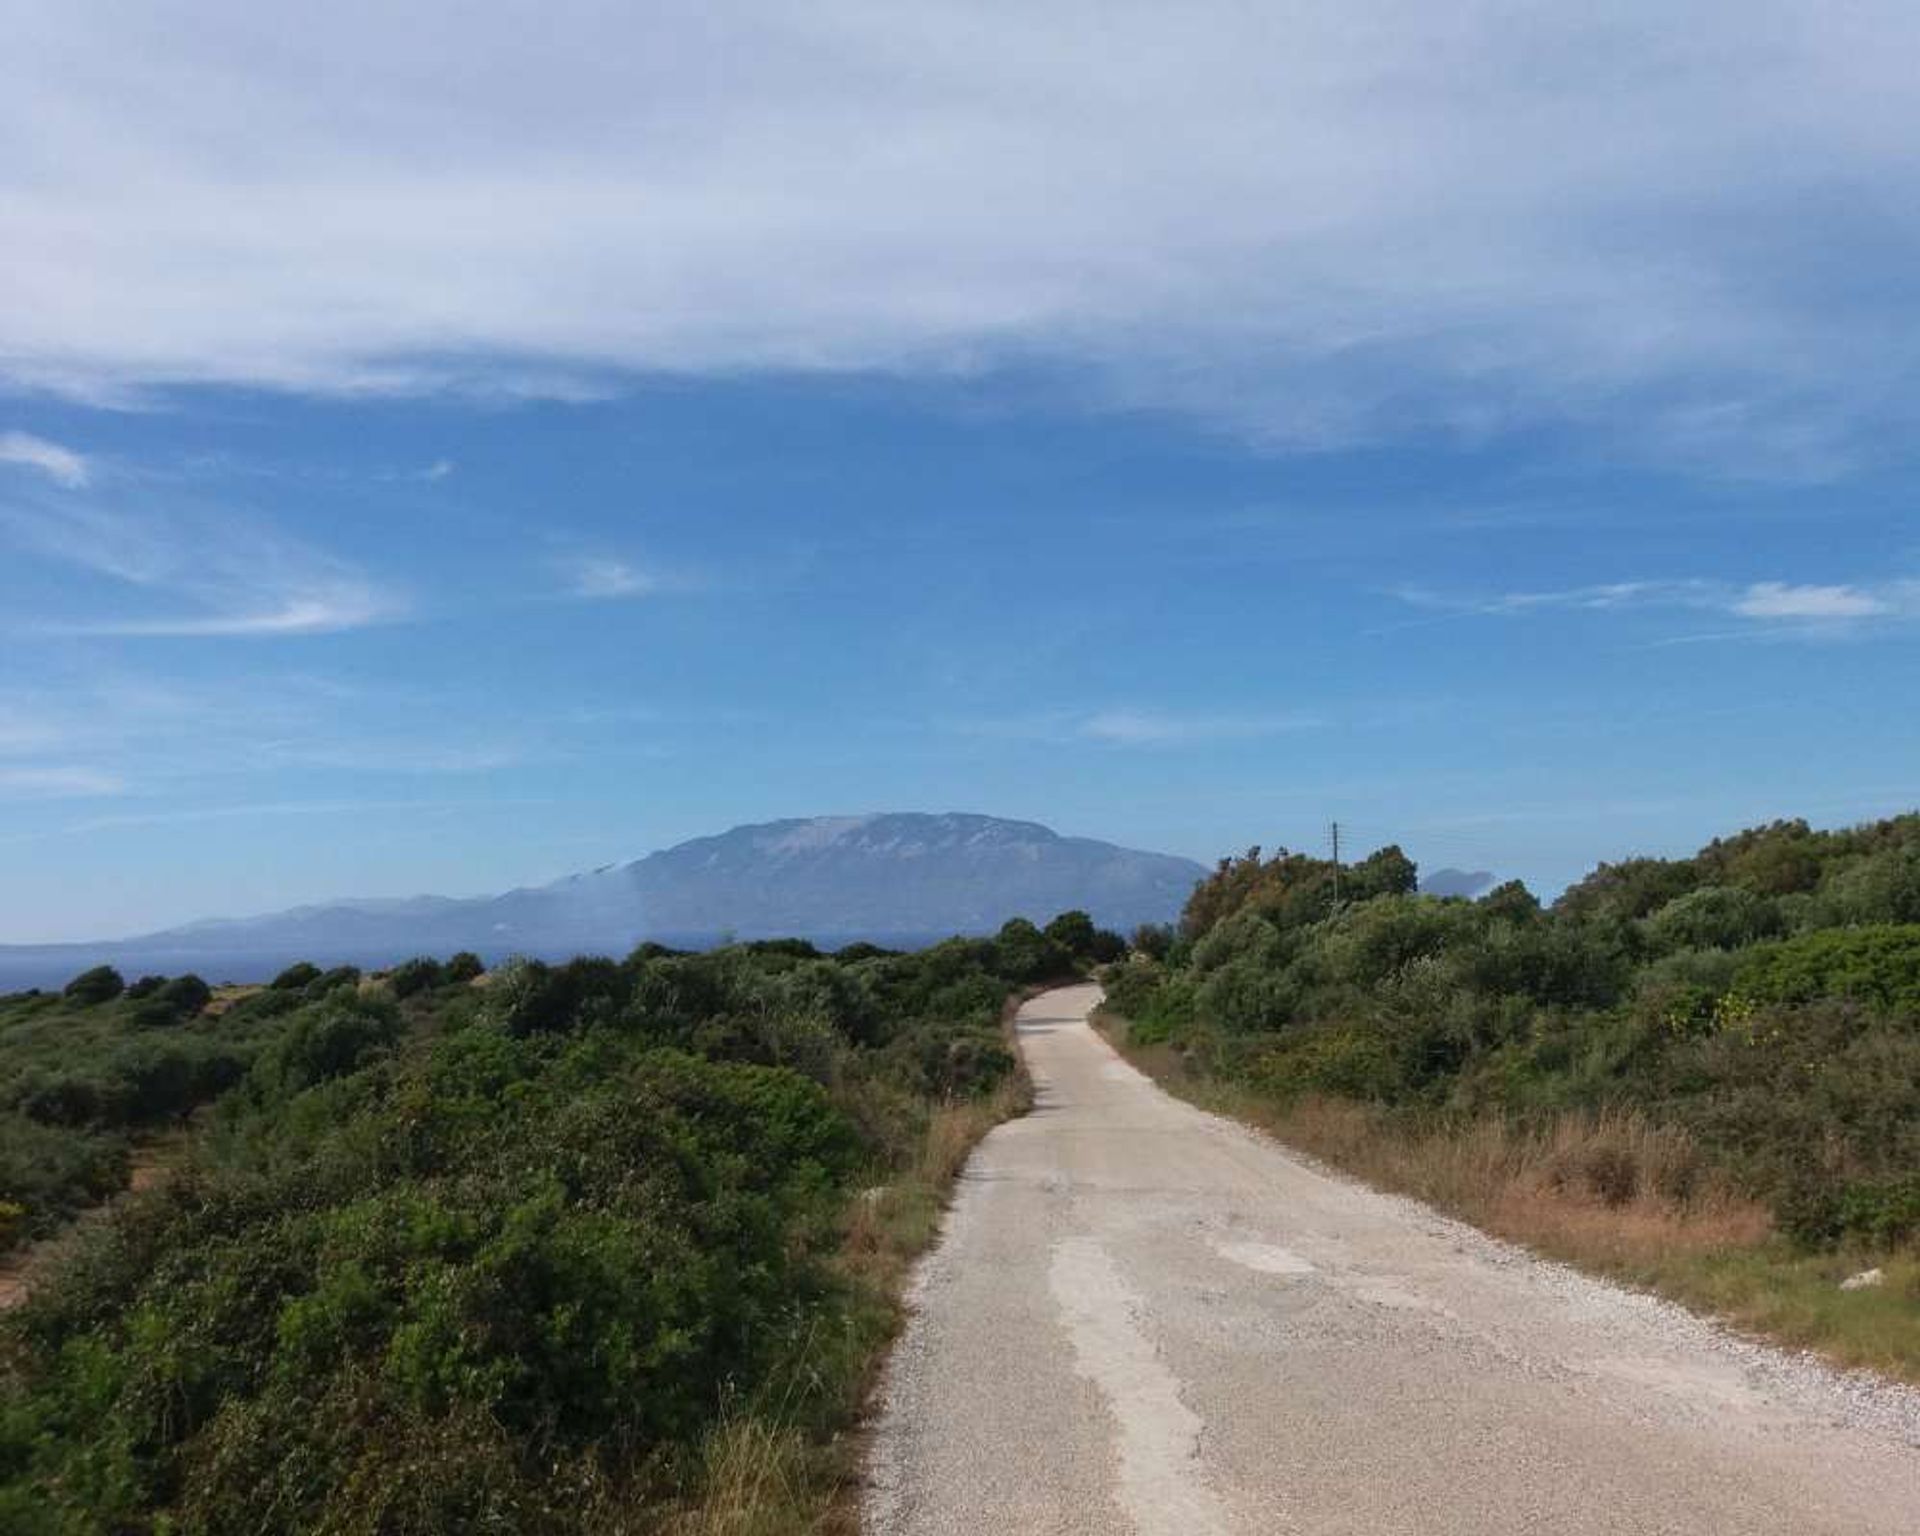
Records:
x=1336, y=866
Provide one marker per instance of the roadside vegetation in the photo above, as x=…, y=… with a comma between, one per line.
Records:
x=606, y=1246
x=1700, y=1074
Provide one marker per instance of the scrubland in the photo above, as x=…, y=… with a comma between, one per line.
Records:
x=608, y=1246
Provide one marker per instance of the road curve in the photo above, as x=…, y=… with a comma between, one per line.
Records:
x=1144, y=1319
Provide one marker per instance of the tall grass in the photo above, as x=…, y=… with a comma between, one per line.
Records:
x=1604, y=1187
x=761, y=1478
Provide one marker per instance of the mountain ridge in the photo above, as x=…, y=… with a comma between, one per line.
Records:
x=902, y=876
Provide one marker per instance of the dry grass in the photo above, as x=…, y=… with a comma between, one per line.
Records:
x=1600, y=1188
x=1613, y=1193
x=227, y=994
x=760, y=1479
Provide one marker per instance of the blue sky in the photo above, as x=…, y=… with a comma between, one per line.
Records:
x=444, y=458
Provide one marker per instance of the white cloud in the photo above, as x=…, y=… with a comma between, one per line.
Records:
x=598, y=577
x=61, y=465
x=1315, y=223
x=1782, y=600
x=218, y=574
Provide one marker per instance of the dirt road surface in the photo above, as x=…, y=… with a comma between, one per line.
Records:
x=1144, y=1319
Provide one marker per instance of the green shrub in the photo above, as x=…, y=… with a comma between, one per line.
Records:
x=185, y=995
x=102, y=984
x=326, y=1040
x=1072, y=932
x=1878, y=966
x=1713, y=917
x=1028, y=955
x=1882, y=1213
x=339, y=977
x=413, y=976
x=1152, y=940
x=1353, y=1063
x=1132, y=988
x=48, y=1174
x=296, y=977
x=531, y=997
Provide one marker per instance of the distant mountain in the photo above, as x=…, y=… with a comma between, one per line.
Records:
x=902, y=877
x=1455, y=882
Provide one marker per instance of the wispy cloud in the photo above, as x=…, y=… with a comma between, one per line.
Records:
x=61, y=465
x=157, y=740
x=1131, y=727
x=34, y=783
x=1598, y=596
x=423, y=474
x=1402, y=219
x=1145, y=728
x=267, y=810
x=336, y=607
x=596, y=577
x=22, y=731
x=391, y=755
x=218, y=574
x=1765, y=606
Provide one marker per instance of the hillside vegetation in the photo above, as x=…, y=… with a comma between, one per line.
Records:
x=607, y=1246
x=1711, y=1048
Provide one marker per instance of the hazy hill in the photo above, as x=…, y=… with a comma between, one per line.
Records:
x=1456, y=882
x=903, y=877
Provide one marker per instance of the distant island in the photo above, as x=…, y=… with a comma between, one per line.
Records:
x=1456, y=882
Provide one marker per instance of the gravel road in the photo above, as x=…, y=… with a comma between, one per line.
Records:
x=1143, y=1318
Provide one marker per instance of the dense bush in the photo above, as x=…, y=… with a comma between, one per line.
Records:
x=461, y=1259
x=1027, y=954
x=1713, y=917
x=1878, y=966
x=48, y=1172
x=1764, y=994
x=1072, y=931
x=417, y=975
x=185, y=995
x=102, y=984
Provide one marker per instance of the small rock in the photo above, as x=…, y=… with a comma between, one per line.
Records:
x=1865, y=1280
